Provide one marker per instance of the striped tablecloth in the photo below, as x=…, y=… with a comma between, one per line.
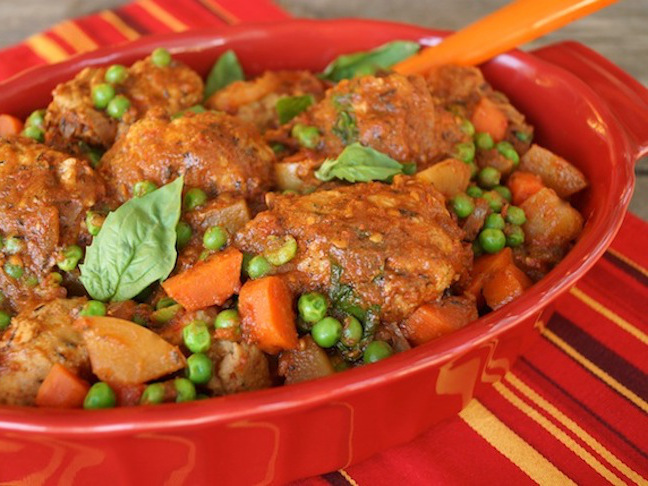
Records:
x=574, y=409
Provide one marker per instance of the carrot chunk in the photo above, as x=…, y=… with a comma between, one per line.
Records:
x=485, y=266
x=267, y=316
x=431, y=321
x=504, y=286
x=10, y=125
x=523, y=185
x=488, y=118
x=62, y=389
x=208, y=283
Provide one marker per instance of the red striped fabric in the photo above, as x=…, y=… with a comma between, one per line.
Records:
x=574, y=409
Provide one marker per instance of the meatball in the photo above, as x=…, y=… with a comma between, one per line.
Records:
x=395, y=246
x=43, y=201
x=214, y=151
x=37, y=339
x=72, y=122
x=254, y=101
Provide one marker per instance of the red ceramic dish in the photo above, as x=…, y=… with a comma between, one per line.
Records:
x=583, y=108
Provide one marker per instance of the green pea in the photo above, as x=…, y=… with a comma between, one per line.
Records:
x=351, y=332
x=474, y=191
x=196, y=336
x=258, y=267
x=185, y=390
x=100, y=395
x=465, y=151
x=13, y=245
x=312, y=307
x=93, y=308
x=118, y=106
x=377, y=350
x=504, y=191
x=56, y=277
x=71, y=256
x=327, y=332
x=161, y=57
x=467, y=127
x=227, y=319
x=523, y=136
x=183, y=232
x=508, y=151
x=5, y=320
x=495, y=201
x=215, y=238
x=488, y=177
x=200, y=368
x=307, y=136
x=484, y=141
x=153, y=394
x=193, y=198
x=514, y=236
x=94, y=221
x=13, y=270
x=36, y=119
x=165, y=302
x=280, y=250
x=462, y=205
x=494, y=221
x=515, y=215
x=142, y=188
x=102, y=94
x=492, y=240
x=116, y=74
x=34, y=133
x=165, y=314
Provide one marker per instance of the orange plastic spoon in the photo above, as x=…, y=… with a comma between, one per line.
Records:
x=518, y=22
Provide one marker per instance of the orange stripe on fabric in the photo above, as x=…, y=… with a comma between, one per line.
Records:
x=162, y=15
x=573, y=427
x=609, y=314
x=556, y=432
x=222, y=12
x=74, y=36
x=595, y=370
x=46, y=48
x=119, y=25
x=511, y=445
x=348, y=477
x=628, y=260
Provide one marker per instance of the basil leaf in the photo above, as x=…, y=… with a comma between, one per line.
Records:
x=225, y=71
x=135, y=247
x=289, y=107
x=349, y=66
x=358, y=163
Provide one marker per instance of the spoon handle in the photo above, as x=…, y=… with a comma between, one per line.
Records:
x=514, y=24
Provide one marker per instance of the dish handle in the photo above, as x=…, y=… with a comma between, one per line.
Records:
x=626, y=98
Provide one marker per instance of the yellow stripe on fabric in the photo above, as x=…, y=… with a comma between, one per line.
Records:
x=73, y=35
x=556, y=432
x=348, y=477
x=576, y=429
x=224, y=14
x=511, y=445
x=629, y=261
x=119, y=25
x=609, y=314
x=162, y=15
x=596, y=371
x=46, y=48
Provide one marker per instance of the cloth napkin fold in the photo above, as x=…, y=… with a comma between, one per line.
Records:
x=574, y=408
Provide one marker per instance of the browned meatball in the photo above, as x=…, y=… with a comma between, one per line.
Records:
x=396, y=245
x=36, y=340
x=214, y=151
x=44, y=197
x=72, y=119
x=254, y=101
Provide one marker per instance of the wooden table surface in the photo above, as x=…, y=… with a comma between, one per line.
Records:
x=619, y=32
